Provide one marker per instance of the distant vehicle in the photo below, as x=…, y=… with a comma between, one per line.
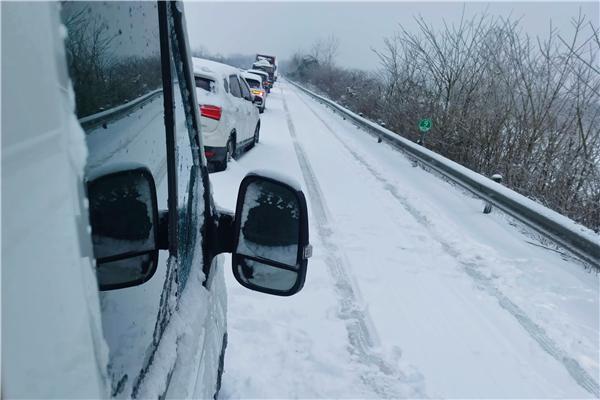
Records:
x=230, y=121
x=265, y=81
x=272, y=60
x=265, y=65
x=111, y=282
x=257, y=89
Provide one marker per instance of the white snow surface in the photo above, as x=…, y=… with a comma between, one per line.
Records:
x=411, y=292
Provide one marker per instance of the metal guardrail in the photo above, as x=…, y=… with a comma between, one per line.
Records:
x=581, y=241
x=111, y=114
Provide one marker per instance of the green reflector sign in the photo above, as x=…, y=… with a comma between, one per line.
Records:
x=425, y=124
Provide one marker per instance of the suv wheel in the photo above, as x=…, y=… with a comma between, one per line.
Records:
x=230, y=150
x=256, y=135
x=229, y=155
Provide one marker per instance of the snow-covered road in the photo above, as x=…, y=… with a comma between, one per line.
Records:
x=411, y=292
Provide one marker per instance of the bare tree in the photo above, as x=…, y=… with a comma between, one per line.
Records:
x=500, y=101
x=325, y=50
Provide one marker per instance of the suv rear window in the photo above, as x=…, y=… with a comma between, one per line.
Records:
x=205, y=83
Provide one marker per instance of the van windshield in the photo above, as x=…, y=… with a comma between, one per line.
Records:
x=254, y=84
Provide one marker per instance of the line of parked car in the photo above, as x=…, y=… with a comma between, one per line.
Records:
x=230, y=102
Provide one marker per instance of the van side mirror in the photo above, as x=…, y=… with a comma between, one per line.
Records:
x=125, y=227
x=256, y=99
x=270, y=246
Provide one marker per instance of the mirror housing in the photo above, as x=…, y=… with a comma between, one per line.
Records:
x=270, y=245
x=255, y=99
x=125, y=225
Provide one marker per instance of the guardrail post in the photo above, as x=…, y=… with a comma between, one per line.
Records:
x=488, y=207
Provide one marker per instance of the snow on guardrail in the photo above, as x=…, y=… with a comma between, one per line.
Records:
x=580, y=240
x=104, y=116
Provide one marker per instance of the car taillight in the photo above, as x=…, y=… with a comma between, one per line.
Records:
x=209, y=153
x=212, y=112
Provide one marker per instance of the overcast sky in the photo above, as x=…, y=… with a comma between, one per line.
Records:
x=281, y=28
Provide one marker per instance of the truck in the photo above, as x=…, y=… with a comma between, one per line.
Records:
x=272, y=60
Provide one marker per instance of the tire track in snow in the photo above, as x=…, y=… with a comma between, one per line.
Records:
x=470, y=266
x=384, y=378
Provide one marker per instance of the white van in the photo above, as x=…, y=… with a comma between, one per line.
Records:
x=112, y=286
x=255, y=82
x=265, y=78
x=228, y=115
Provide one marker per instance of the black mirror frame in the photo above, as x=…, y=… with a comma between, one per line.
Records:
x=304, y=248
x=154, y=253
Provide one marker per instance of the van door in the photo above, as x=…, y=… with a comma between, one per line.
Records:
x=201, y=293
x=249, y=108
x=240, y=111
x=52, y=344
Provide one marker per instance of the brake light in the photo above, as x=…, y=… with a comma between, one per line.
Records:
x=209, y=153
x=212, y=112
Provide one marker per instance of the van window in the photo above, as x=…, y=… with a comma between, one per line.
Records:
x=245, y=90
x=205, y=83
x=226, y=85
x=234, y=86
x=111, y=62
x=115, y=66
x=113, y=53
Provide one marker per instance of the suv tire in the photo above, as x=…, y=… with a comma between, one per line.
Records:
x=256, y=135
x=229, y=155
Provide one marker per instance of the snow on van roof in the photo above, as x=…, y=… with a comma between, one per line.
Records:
x=256, y=77
x=262, y=63
x=204, y=66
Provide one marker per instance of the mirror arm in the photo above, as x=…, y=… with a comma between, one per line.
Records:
x=163, y=230
x=224, y=233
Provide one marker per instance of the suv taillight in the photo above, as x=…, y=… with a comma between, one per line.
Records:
x=212, y=112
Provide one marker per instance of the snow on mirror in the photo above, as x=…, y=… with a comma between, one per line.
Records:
x=124, y=221
x=267, y=250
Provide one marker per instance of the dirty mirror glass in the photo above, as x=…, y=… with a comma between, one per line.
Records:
x=269, y=237
x=123, y=217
